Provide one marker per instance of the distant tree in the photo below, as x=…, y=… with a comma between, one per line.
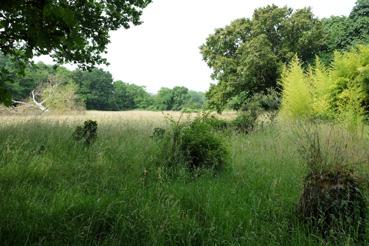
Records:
x=196, y=100
x=180, y=97
x=130, y=96
x=142, y=99
x=359, y=28
x=20, y=85
x=172, y=99
x=164, y=99
x=247, y=55
x=95, y=88
x=121, y=98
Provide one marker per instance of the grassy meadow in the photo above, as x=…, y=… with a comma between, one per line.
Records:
x=56, y=191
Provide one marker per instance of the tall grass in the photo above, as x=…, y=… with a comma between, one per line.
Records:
x=56, y=191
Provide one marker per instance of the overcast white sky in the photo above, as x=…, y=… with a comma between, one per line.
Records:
x=164, y=50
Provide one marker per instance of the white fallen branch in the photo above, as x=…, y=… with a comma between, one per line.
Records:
x=35, y=103
x=38, y=104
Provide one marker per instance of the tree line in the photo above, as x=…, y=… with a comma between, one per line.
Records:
x=248, y=55
x=94, y=88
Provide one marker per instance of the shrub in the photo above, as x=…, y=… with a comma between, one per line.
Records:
x=245, y=122
x=296, y=95
x=86, y=133
x=340, y=92
x=194, y=145
x=332, y=203
x=216, y=123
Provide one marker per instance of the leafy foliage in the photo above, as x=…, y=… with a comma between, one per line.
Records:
x=194, y=145
x=350, y=89
x=69, y=31
x=62, y=97
x=296, y=95
x=246, y=56
x=178, y=98
x=245, y=121
x=345, y=32
x=340, y=92
x=95, y=87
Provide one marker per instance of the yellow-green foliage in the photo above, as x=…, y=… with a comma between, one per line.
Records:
x=62, y=97
x=297, y=100
x=340, y=92
x=349, y=92
x=320, y=85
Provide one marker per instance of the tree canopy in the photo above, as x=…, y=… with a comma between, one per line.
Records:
x=74, y=31
x=344, y=32
x=246, y=56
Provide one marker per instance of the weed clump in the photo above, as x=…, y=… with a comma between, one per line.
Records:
x=158, y=133
x=195, y=146
x=86, y=133
x=333, y=204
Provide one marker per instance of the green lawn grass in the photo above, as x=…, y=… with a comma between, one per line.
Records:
x=55, y=191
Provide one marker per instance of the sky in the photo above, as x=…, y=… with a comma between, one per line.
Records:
x=164, y=50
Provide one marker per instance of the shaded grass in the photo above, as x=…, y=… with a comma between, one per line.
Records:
x=115, y=192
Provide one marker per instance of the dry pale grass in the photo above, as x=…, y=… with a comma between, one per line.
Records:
x=104, y=117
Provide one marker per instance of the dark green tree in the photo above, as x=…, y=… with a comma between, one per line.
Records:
x=180, y=97
x=196, y=100
x=172, y=99
x=164, y=99
x=345, y=32
x=247, y=55
x=95, y=88
x=359, y=22
x=130, y=96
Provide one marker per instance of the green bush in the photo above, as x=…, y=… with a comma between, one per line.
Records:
x=216, y=123
x=86, y=133
x=296, y=95
x=245, y=122
x=194, y=145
